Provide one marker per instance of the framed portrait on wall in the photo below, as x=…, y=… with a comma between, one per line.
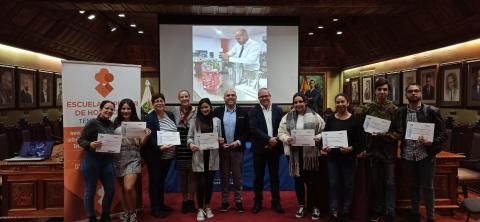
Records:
x=313, y=86
x=7, y=87
x=428, y=82
x=58, y=89
x=408, y=77
x=45, y=89
x=367, y=95
x=27, y=88
x=473, y=84
x=394, y=80
x=451, y=85
x=355, y=90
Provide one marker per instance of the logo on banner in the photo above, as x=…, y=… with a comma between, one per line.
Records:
x=104, y=77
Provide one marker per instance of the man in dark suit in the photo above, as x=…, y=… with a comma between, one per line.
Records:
x=25, y=96
x=264, y=120
x=428, y=90
x=236, y=132
x=311, y=93
x=476, y=87
x=44, y=95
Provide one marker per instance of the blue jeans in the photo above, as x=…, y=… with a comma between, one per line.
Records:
x=96, y=168
x=341, y=173
x=421, y=177
x=383, y=181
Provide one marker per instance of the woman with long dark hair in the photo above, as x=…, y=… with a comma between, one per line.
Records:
x=127, y=163
x=96, y=165
x=303, y=161
x=205, y=162
x=183, y=157
x=341, y=162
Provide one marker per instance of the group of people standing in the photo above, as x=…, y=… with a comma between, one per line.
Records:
x=270, y=132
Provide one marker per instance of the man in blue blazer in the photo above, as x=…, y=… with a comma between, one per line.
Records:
x=264, y=120
x=236, y=132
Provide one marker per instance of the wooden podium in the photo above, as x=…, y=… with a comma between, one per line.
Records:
x=32, y=189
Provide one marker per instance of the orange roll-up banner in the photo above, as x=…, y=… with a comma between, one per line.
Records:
x=85, y=85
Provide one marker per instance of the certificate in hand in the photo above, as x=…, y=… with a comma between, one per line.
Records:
x=207, y=141
x=335, y=139
x=111, y=143
x=303, y=137
x=415, y=130
x=168, y=138
x=374, y=124
x=134, y=129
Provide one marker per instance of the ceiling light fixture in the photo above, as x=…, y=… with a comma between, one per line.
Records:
x=310, y=33
x=91, y=17
x=81, y=11
x=335, y=19
x=121, y=15
x=339, y=32
x=112, y=29
x=133, y=25
x=140, y=31
x=320, y=27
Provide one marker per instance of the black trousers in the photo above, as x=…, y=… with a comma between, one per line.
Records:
x=260, y=160
x=204, y=187
x=157, y=173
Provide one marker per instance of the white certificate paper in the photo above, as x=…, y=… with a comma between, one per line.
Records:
x=335, y=139
x=168, y=138
x=134, y=129
x=374, y=124
x=303, y=137
x=111, y=143
x=415, y=130
x=207, y=141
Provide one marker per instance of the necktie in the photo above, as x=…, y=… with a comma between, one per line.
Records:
x=241, y=51
x=451, y=95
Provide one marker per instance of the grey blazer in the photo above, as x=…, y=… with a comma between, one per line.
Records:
x=197, y=157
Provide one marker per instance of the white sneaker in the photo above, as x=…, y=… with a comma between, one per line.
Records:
x=209, y=213
x=300, y=212
x=133, y=217
x=316, y=214
x=200, y=215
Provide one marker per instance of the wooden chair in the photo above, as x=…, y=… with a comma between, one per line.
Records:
x=469, y=170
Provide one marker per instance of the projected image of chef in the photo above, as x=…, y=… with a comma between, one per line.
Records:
x=247, y=53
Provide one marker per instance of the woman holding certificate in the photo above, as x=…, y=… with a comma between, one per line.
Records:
x=204, y=139
x=183, y=157
x=127, y=163
x=159, y=155
x=97, y=165
x=341, y=159
x=300, y=131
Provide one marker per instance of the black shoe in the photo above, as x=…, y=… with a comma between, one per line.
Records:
x=277, y=207
x=239, y=207
x=345, y=217
x=165, y=208
x=256, y=208
x=92, y=219
x=159, y=214
x=225, y=207
x=105, y=217
x=191, y=206
x=184, y=207
x=389, y=218
x=414, y=217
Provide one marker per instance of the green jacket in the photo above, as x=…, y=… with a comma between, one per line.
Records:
x=383, y=146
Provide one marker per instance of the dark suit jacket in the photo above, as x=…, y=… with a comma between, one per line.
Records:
x=258, y=128
x=25, y=97
x=426, y=114
x=42, y=97
x=428, y=94
x=151, y=149
x=242, y=130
